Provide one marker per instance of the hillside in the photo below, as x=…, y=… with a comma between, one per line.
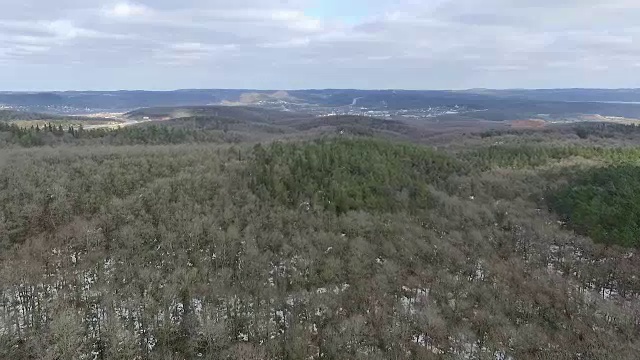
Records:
x=12, y=115
x=251, y=236
x=486, y=104
x=243, y=113
x=256, y=120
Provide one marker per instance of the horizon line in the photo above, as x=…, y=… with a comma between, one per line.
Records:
x=315, y=89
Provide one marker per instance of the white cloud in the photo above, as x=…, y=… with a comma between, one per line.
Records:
x=53, y=30
x=502, y=68
x=189, y=53
x=292, y=43
x=63, y=29
x=30, y=49
x=126, y=10
x=279, y=44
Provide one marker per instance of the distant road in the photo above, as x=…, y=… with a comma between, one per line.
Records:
x=355, y=101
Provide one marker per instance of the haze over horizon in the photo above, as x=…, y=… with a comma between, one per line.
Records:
x=135, y=89
x=313, y=44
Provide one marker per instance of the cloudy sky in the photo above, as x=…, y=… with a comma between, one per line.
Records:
x=290, y=44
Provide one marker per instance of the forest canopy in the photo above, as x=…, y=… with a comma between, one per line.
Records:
x=604, y=204
x=217, y=239
x=354, y=174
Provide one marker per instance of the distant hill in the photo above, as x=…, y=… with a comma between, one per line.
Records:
x=95, y=101
x=23, y=118
x=11, y=115
x=235, y=112
x=497, y=105
x=27, y=99
x=259, y=120
x=570, y=95
x=252, y=98
x=350, y=120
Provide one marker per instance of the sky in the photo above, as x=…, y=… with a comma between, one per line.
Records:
x=294, y=44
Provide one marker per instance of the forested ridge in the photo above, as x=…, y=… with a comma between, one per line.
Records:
x=52, y=134
x=156, y=245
